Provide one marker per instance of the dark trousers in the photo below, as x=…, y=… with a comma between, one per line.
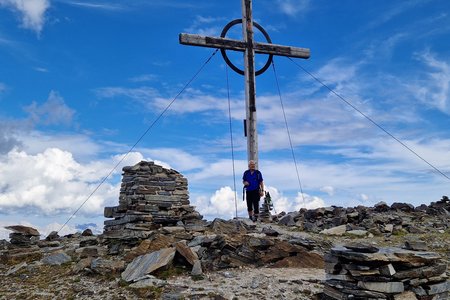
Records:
x=253, y=201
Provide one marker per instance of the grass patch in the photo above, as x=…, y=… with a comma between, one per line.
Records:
x=172, y=271
x=151, y=292
x=122, y=283
x=198, y=277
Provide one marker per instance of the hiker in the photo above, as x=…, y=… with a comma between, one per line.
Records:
x=254, y=186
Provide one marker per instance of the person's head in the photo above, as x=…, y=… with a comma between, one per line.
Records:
x=251, y=164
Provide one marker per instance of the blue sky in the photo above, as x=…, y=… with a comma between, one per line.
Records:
x=81, y=81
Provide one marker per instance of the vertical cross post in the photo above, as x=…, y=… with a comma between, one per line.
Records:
x=250, y=82
x=249, y=47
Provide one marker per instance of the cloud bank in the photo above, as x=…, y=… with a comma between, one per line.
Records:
x=31, y=12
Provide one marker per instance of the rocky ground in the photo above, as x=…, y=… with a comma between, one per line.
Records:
x=40, y=281
x=278, y=260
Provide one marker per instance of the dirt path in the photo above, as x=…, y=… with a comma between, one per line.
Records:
x=261, y=283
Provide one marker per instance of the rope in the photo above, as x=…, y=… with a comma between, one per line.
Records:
x=140, y=138
x=288, y=132
x=370, y=119
x=231, y=141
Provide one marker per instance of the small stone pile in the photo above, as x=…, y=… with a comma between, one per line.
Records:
x=150, y=196
x=366, y=272
x=266, y=207
x=23, y=236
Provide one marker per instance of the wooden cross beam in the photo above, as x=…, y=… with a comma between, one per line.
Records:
x=249, y=47
x=236, y=45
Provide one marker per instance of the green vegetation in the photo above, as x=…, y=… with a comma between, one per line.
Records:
x=170, y=272
x=151, y=292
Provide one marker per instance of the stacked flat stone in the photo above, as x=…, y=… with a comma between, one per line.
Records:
x=264, y=210
x=150, y=196
x=365, y=272
x=23, y=236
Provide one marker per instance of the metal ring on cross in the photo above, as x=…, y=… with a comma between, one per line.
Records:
x=228, y=61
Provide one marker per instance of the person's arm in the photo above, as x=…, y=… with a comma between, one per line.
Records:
x=261, y=188
x=244, y=180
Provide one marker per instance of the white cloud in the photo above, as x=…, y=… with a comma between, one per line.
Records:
x=194, y=101
x=53, y=181
x=96, y=5
x=2, y=87
x=434, y=90
x=328, y=189
x=221, y=204
x=397, y=9
x=217, y=170
x=207, y=26
x=144, y=78
x=181, y=160
x=142, y=94
x=52, y=112
x=308, y=201
x=81, y=146
x=283, y=203
x=32, y=12
x=294, y=7
x=224, y=202
x=42, y=70
x=364, y=197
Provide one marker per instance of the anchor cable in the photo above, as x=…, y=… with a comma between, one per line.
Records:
x=141, y=137
x=288, y=132
x=369, y=119
x=231, y=140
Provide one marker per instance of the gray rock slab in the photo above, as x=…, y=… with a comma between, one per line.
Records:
x=416, y=245
x=172, y=229
x=185, y=251
x=197, y=268
x=16, y=268
x=383, y=287
x=438, y=288
x=56, y=259
x=148, y=263
x=387, y=270
x=287, y=220
x=422, y=272
x=25, y=230
x=105, y=266
x=388, y=255
x=338, y=230
x=408, y=295
x=148, y=281
x=357, y=232
x=363, y=248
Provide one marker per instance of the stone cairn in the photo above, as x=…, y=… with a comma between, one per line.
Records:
x=150, y=196
x=23, y=236
x=266, y=207
x=366, y=272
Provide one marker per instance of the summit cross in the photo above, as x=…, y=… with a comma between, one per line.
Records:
x=249, y=47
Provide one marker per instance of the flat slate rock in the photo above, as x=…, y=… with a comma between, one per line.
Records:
x=416, y=245
x=148, y=263
x=390, y=254
x=383, y=287
x=25, y=230
x=362, y=248
x=56, y=259
x=229, y=227
x=185, y=251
